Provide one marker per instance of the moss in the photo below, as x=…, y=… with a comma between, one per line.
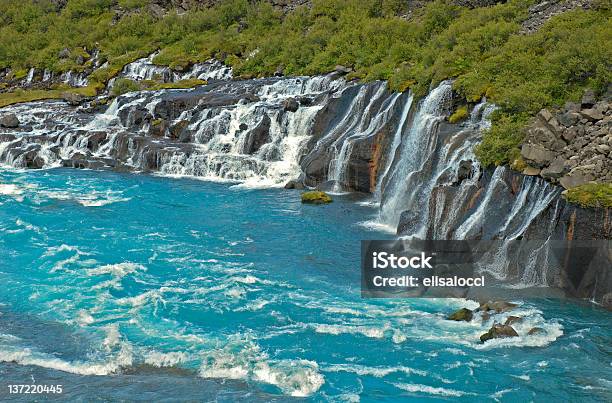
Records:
x=591, y=195
x=316, y=197
x=20, y=96
x=459, y=115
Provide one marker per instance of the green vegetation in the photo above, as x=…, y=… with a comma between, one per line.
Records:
x=480, y=48
x=316, y=197
x=460, y=114
x=18, y=96
x=591, y=195
x=124, y=85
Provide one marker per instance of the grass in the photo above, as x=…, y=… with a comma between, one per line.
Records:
x=124, y=85
x=20, y=96
x=591, y=195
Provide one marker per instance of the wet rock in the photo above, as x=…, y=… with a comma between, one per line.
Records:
x=291, y=105
x=258, y=136
x=536, y=330
x=316, y=197
x=177, y=129
x=32, y=160
x=499, y=331
x=462, y=314
x=9, y=121
x=513, y=319
x=497, y=306
x=158, y=128
x=94, y=141
x=294, y=184
x=464, y=171
x=327, y=186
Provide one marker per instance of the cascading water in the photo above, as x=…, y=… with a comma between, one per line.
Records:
x=416, y=150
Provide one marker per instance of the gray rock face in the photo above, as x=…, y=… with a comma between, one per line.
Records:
x=571, y=146
x=9, y=121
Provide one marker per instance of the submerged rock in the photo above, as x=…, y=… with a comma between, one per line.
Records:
x=513, y=319
x=499, y=331
x=462, y=314
x=536, y=330
x=316, y=197
x=9, y=121
x=497, y=306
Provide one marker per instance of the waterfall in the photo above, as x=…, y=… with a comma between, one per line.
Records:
x=415, y=151
x=145, y=69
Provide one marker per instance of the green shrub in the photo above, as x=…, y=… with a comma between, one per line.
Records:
x=124, y=85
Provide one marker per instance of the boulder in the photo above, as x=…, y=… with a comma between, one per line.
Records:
x=464, y=171
x=499, y=331
x=513, y=319
x=574, y=179
x=531, y=171
x=158, y=128
x=32, y=160
x=258, y=136
x=72, y=98
x=555, y=170
x=462, y=314
x=291, y=105
x=340, y=69
x=177, y=129
x=569, y=118
x=9, y=121
x=64, y=53
x=497, y=306
x=589, y=98
x=592, y=114
x=316, y=197
x=294, y=184
x=537, y=155
x=535, y=330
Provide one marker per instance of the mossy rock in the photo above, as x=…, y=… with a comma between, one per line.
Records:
x=316, y=197
x=591, y=195
x=462, y=314
x=460, y=114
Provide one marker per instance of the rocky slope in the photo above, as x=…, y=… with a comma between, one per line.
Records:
x=573, y=145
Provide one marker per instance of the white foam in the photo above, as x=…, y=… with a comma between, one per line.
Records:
x=430, y=390
x=378, y=372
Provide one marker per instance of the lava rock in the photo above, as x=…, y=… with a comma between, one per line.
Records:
x=462, y=314
x=9, y=121
x=291, y=105
x=316, y=197
x=499, y=331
